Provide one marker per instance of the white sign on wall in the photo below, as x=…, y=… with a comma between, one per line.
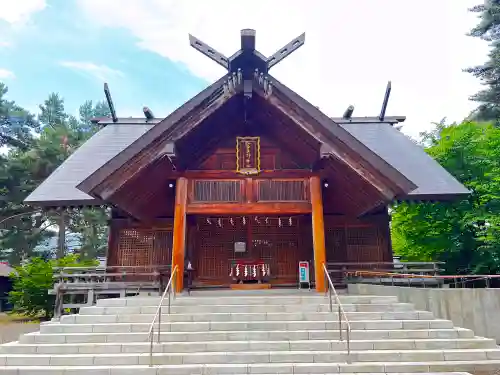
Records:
x=240, y=247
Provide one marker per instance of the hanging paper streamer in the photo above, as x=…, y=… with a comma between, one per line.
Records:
x=220, y=221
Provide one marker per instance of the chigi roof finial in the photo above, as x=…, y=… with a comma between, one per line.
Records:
x=247, y=60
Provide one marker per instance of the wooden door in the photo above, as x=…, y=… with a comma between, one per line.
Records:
x=280, y=242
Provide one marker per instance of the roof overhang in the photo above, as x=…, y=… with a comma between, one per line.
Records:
x=160, y=140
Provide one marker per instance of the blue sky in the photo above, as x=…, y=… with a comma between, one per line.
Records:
x=140, y=47
x=58, y=51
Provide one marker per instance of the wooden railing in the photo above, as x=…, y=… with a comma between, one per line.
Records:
x=84, y=285
x=344, y=273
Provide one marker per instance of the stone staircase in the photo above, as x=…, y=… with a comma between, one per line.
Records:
x=250, y=332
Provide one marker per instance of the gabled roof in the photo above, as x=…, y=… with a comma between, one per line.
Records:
x=59, y=189
x=194, y=111
x=204, y=98
x=432, y=180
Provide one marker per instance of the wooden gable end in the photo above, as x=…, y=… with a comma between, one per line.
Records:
x=294, y=141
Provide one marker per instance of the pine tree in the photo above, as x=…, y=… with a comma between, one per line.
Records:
x=488, y=29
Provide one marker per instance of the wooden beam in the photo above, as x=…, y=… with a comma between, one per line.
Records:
x=179, y=231
x=249, y=209
x=318, y=232
x=216, y=174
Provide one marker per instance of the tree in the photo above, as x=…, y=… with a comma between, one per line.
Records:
x=33, y=154
x=16, y=124
x=52, y=111
x=488, y=29
x=32, y=281
x=465, y=234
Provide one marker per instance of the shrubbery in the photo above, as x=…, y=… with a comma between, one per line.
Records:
x=32, y=281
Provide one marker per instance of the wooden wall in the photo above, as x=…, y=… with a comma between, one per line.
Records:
x=139, y=244
x=281, y=190
x=358, y=240
x=272, y=158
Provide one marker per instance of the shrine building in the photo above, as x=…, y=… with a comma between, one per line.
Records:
x=247, y=179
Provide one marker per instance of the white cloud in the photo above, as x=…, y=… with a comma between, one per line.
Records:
x=15, y=12
x=6, y=74
x=4, y=43
x=353, y=47
x=101, y=72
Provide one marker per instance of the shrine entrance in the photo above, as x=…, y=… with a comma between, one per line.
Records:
x=227, y=250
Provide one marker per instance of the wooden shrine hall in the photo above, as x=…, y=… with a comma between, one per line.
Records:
x=247, y=179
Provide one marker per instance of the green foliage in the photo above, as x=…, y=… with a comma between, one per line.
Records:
x=464, y=234
x=16, y=124
x=34, y=152
x=488, y=29
x=31, y=282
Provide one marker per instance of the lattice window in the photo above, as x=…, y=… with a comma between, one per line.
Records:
x=282, y=190
x=363, y=244
x=144, y=247
x=335, y=238
x=217, y=191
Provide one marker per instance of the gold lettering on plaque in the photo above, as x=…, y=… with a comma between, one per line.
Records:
x=248, y=155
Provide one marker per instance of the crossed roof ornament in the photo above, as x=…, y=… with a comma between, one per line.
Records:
x=247, y=59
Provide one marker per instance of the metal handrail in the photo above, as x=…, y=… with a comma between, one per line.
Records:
x=170, y=286
x=342, y=315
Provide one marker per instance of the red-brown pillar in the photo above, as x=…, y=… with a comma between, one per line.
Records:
x=179, y=231
x=318, y=233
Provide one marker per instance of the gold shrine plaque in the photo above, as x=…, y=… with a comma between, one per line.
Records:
x=248, y=155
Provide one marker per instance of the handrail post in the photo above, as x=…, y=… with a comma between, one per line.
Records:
x=340, y=322
x=330, y=297
x=151, y=348
x=326, y=283
x=348, y=337
x=168, y=306
x=342, y=314
x=159, y=324
x=158, y=314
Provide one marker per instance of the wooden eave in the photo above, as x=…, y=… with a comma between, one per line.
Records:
x=340, y=143
x=202, y=104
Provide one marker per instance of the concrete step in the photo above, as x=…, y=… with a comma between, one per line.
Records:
x=245, y=326
x=254, y=357
x=247, y=317
x=194, y=370
x=243, y=346
x=244, y=300
x=189, y=309
x=61, y=338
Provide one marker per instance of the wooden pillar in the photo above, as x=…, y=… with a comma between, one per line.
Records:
x=389, y=255
x=318, y=233
x=61, y=246
x=179, y=231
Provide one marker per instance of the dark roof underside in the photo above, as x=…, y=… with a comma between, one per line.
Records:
x=433, y=181
x=60, y=187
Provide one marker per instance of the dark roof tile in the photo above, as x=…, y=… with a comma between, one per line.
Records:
x=409, y=158
x=60, y=186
